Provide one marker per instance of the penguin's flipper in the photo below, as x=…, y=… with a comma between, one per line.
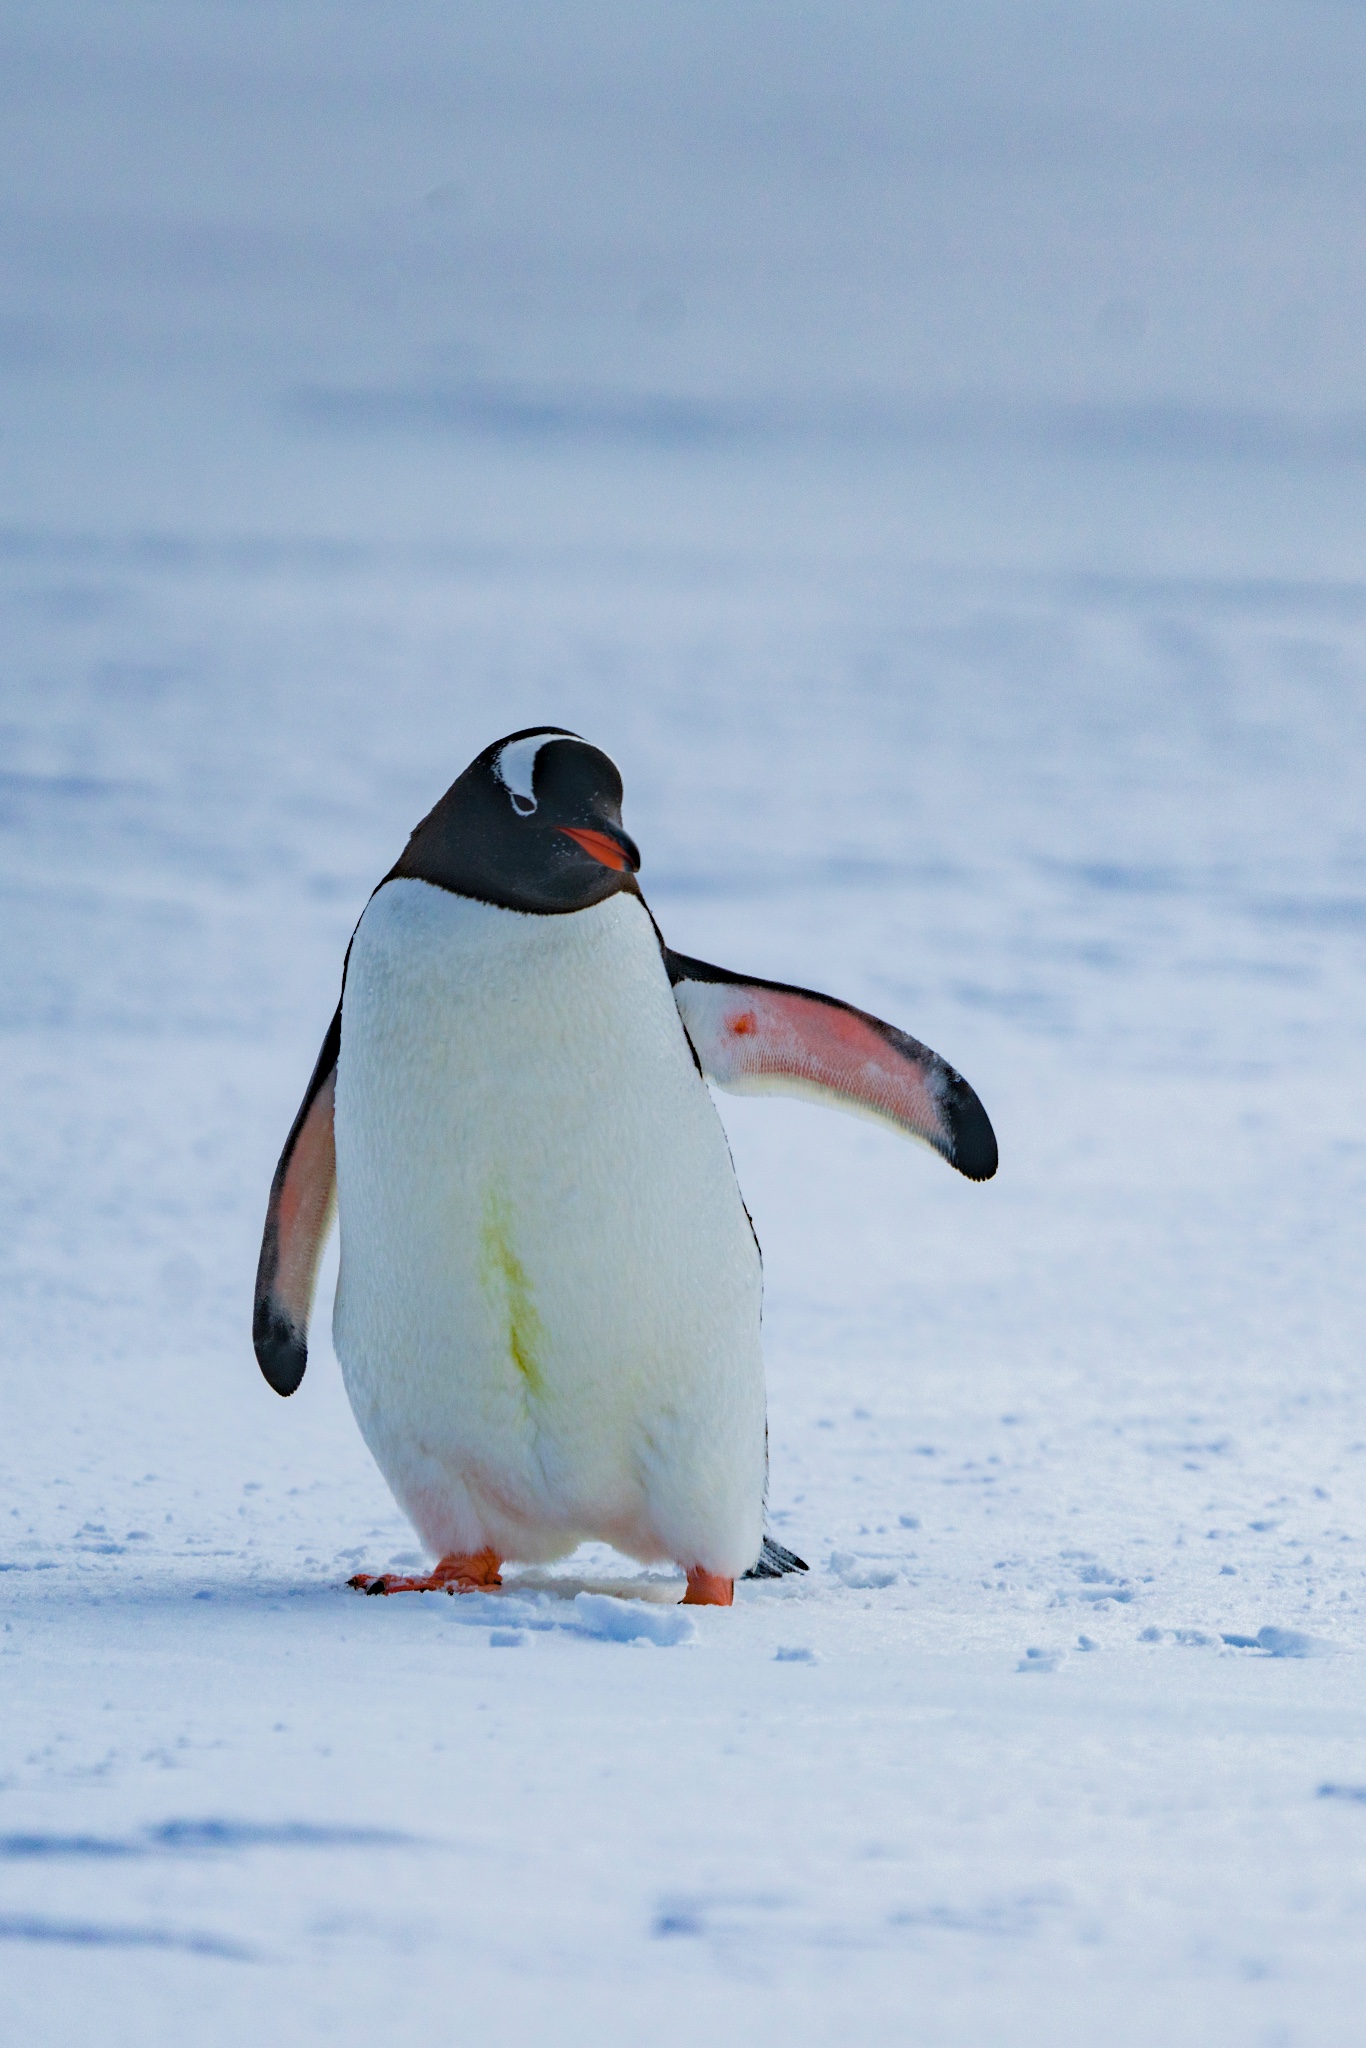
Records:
x=763, y=1037
x=303, y=1201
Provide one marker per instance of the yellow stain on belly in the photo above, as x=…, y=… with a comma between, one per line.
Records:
x=505, y=1279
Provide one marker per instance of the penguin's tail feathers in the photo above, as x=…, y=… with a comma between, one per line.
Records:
x=774, y=1562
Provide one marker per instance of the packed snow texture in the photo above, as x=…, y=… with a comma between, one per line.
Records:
x=925, y=449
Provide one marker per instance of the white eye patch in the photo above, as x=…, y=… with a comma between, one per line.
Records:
x=516, y=765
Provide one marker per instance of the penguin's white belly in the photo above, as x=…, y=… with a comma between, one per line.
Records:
x=548, y=1310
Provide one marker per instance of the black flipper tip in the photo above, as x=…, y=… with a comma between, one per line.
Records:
x=281, y=1352
x=974, y=1141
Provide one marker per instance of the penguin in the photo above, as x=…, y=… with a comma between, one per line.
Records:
x=547, y=1312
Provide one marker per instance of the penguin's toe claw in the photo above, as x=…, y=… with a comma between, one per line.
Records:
x=475, y=1573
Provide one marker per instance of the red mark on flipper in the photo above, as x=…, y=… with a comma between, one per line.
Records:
x=742, y=1026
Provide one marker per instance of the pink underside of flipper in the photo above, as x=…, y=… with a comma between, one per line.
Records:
x=305, y=1208
x=752, y=1038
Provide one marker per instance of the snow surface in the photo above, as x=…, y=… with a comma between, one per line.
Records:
x=929, y=461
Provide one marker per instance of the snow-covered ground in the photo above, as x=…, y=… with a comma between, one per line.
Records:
x=1028, y=725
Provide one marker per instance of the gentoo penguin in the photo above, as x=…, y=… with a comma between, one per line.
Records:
x=547, y=1315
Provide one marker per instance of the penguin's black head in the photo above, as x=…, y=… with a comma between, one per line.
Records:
x=534, y=823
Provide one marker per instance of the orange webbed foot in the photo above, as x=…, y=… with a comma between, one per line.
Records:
x=474, y=1573
x=708, y=1589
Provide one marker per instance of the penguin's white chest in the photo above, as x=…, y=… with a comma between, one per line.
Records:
x=548, y=1312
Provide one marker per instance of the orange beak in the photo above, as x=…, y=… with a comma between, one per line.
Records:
x=601, y=847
